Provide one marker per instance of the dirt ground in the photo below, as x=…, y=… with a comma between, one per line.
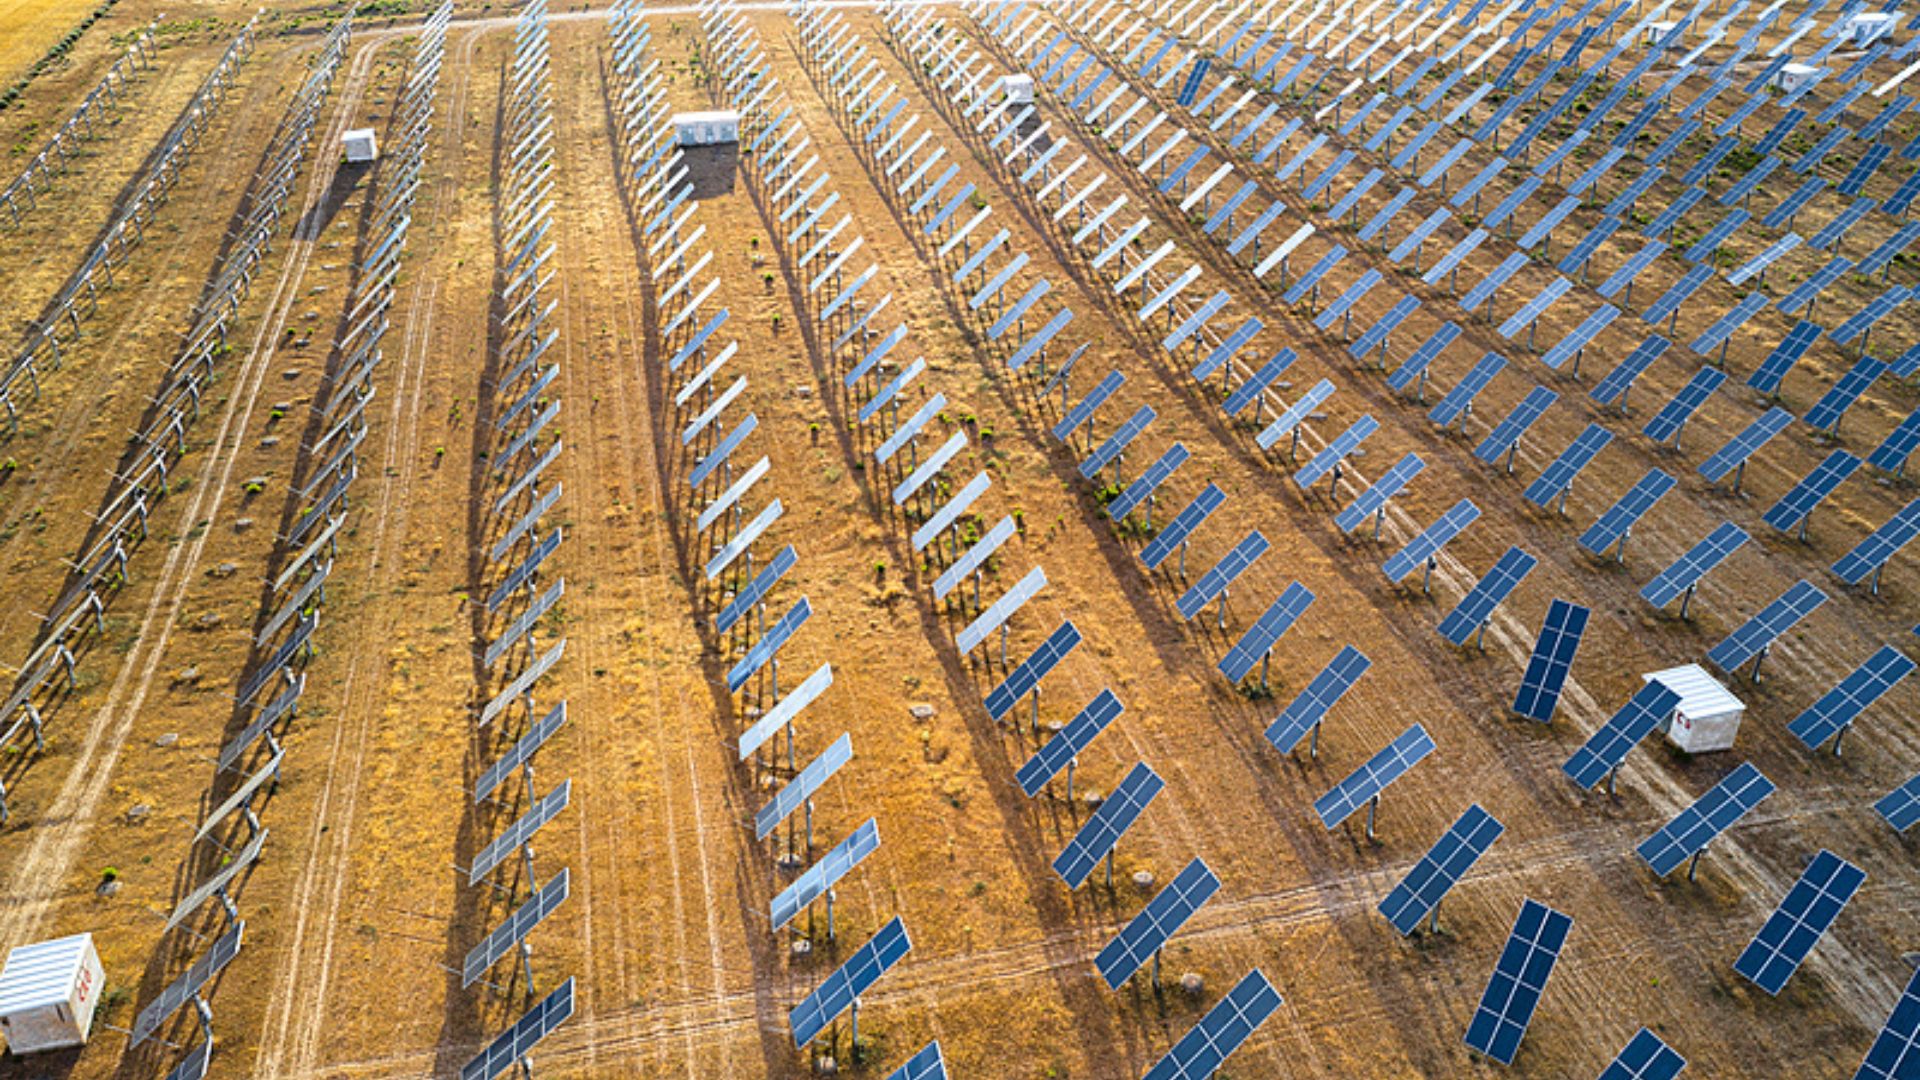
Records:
x=358, y=915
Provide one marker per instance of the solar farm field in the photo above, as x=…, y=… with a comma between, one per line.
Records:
x=1076, y=540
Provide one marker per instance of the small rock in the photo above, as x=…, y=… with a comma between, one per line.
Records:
x=1193, y=984
x=803, y=391
x=290, y=374
x=802, y=947
x=241, y=525
x=302, y=342
x=269, y=442
x=186, y=676
x=254, y=483
x=139, y=812
x=790, y=861
x=224, y=570
x=168, y=739
x=921, y=711
x=826, y=1066
x=317, y=290
x=1093, y=799
x=209, y=620
x=1143, y=880
x=108, y=888
x=311, y=315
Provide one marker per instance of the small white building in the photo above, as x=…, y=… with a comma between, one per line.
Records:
x=1792, y=77
x=1708, y=716
x=48, y=992
x=1017, y=88
x=706, y=128
x=1864, y=28
x=1657, y=30
x=360, y=146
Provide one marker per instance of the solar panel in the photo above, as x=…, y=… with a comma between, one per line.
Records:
x=1757, y=265
x=837, y=992
x=1552, y=658
x=1330, y=455
x=1147, y=482
x=785, y=710
x=1668, y=305
x=1840, y=225
x=925, y=1065
x=1754, y=637
x=1579, y=337
x=1195, y=321
x=1229, y=345
x=1418, y=895
x=1893, y=451
x=819, y=879
x=1807, y=911
x=1259, y=639
x=1424, y=547
x=1343, y=304
x=508, y=935
x=1901, y=806
x=1794, y=507
x=1557, y=478
x=944, y=518
x=1710, y=815
x=1645, y=1057
x=1364, y=785
x=801, y=788
x=1026, y=677
x=518, y=1041
x=1896, y=1050
x=188, y=985
x=1473, y=610
x=1059, y=751
x=1534, y=308
x=1208, y=1043
x=1104, y=826
x=1374, y=500
x=1519, y=978
x=997, y=613
x=1686, y=571
x=1148, y=931
x=1673, y=416
x=1603, y=752
x=1308, y=281
x=1773, y=370
x=1305, y=713
x=1419, y=235
x=1019, y=309
x=1630, y=271
x=1872, y=553
x=1484, y=289
x=520, y=832
x=1415, y=366
x=1809, y=290
x=1506, y=434
x=1116, y=444
x=1454, y=257
x=1717, y=334
x=1893, y=246
x=1175, y=534
x=1375, y=336
x=1040, y=337
x=1859, y=323
x=1459, y=401
x=1215, y=581
x=1082, y=412
x=764, y=649
x=1257, y=384
x=1839, y=707
x=523, y=750
x=1825, y=415
x=1738, y=449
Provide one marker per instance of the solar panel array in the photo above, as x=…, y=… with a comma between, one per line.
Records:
x=1645, y=1057
x=1707, y=817
x=1552, y=660
x=1104, y=826
x=1366, y=783
x=1440, y=869
x=1220, y=1032
x=1519, y=979
x=1791, y=932
x=1148, y=931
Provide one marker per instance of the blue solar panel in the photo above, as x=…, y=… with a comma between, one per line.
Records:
x=1742, y=446
x=1200, y=1051
x=1536, y=307
x=837, y=991
x=1229, y=345
x=1419, y=235
x=1348, y=297
x=1334, y=452
x=1217, y=580
x=1180, y=171
x=1603, y=752
x=1182, y=525
x=1893, y=451
x=1305, y=283
x=1645, y=1057
x=1773, y=252
x=1877, y=308
x=1083, y=412
x=1833, y=405
x=1630, y=271
x=756, y=590
x=1417, y=894
x=1871, y=553
x=1116, y=444
x=1147, y=482
x=1312, y=188
x=801, y=788
x=1773, y=370
x=1039, y=339
x=1666, y=423
x=1758, y=633
x=1195, y=321
x=1714, y=237
x=1309, y=709
x=1079, y=733
x=1367, y=782
x=1810, y=907
x=1891, y=247
x=1807, y=291
x=1895, y=1052
x=1486, y=594
x=1260, y=380
x=1721, y=329
x=1519, y=978
x=817, y=879
x=1375, y=336
x=1842, y=705
x=1292, y=415
x=1665, y=220
x=1484, y=289
x=1259, y=638
x=769, y=644
x=1508, y=431
x=1901, y=806
x=1577, y=257
x=1416, y=365
x=1459, y=399
x=1708, y=817
x=1559, y=476
x=1104, y=826
x=925, y=1065
x=1148, y=931
x=1254, y=228
x=1578, y=339
x=1669, y=302
x=1019, y=309
x=1348, y=202
x=1613, y=387
x=1428, y=544
x=1454, y=257
x=1375, y=497
x=1026, y=677
x=1687, y=570
x=1551, y=661
x=515, y=1043
x=1795, y=505
x=1842, y=223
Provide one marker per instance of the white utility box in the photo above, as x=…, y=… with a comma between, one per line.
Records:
x=360, y=146
x=1792, y=77
x=48, y=992
x=1867, y=27
x=706, y=128
x=1708, y=716
x=1657, y=30
x=1018, y=88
